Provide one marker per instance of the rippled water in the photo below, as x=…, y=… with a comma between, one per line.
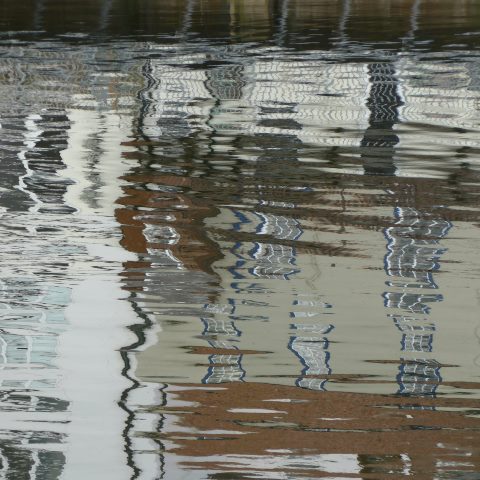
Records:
x=240, y=239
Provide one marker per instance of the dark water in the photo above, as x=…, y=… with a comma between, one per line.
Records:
x=239, y=239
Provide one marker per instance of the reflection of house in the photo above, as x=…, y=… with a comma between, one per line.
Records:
x=187, y=108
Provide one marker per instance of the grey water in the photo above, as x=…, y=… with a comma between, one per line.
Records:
x=239, y=239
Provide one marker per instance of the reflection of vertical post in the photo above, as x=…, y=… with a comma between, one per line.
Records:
x=104, y=14
x=342, y=24
x=38, y=15
x=187, y=18
x=414, y=14
x=379, y=140
x=165, y=229
x=41, y=182
x=226, y=367
x=282, y=23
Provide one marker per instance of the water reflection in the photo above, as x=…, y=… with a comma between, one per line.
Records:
x=251, y=154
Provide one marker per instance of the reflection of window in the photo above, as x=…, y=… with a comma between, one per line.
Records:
x=268, y=260
x=419, y=377
x=226, y=82
x=413, y=247
x=413, y=302
x=412, y=342
x=222, y=367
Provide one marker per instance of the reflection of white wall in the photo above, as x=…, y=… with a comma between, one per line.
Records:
x=94, y=160
x=319, y=96
x=322, y=95
x=91, y=368
x=438, y=98
x=177, y=94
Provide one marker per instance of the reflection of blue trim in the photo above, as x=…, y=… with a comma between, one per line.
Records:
x=390, y=241
x=235, y=247
x=385, y=299
x=254, y=250
x=242, y=220
x=300, y=231
x=302, y=360
x=262, y=223
x=292, y=259
x=252, y=286
x=322, y=385
x=233, y=269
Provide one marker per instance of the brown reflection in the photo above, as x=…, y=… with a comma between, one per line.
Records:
x=180, y=211
x=250, y=424
x=299, y=23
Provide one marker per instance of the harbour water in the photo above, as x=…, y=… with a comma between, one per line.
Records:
x=240, y=239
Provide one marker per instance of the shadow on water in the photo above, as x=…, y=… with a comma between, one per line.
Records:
x=294, y=188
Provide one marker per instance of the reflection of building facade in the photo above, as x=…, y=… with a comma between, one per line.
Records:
x=222, y=254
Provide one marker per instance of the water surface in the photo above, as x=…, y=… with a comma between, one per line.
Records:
x=240, y=239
